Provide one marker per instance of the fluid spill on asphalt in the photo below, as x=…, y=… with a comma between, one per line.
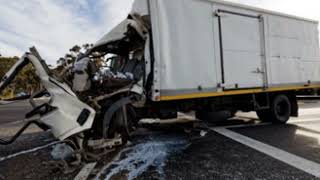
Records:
x=148, y=152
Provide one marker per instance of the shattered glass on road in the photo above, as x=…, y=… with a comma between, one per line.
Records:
x=149, y=153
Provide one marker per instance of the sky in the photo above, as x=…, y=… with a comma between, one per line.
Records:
x=54, y=26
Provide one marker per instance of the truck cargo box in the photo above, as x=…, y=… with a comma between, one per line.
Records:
x=206, y=48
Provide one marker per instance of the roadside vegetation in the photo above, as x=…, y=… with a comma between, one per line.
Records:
x=27, y=82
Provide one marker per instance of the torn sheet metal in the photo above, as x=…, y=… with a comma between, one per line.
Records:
x=70, y=116
x=119, y=32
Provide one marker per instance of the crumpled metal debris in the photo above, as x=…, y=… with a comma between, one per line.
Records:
x=117, y=75
x=62, y=152
x=203, y=133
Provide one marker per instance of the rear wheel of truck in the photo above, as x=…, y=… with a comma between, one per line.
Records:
x=279, y=112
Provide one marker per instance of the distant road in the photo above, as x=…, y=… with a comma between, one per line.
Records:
x=14, y=112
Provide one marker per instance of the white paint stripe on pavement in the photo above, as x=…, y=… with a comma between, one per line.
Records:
x=27, y=151
x=245, y=125
x=298, y=121
x=18, y=122
x=85, y=171
x=291, y=159
x=311, y=111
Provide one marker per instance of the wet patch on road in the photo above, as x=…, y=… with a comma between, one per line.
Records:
x=145, y=154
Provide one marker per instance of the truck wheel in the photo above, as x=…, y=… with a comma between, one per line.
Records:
x=279, y=112
x=280, y=109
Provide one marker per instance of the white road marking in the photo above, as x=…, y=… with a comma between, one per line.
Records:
x=27, y=151
x=297, y=121
x=85, y=172
x=245, y=125
x=311, y=111
x=18, y=122
x=291, y=159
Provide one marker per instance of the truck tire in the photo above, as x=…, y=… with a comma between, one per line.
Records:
x=279, y=112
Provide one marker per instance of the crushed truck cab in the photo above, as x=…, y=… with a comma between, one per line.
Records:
x=64, y=113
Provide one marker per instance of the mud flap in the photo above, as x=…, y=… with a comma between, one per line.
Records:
x=294, y=106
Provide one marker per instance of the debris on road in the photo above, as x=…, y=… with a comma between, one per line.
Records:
x=149, y=152
x=203, y=133
x=62, y=152
x=85, y=172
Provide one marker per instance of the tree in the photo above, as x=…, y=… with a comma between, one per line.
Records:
x=72, y=56
x=26, y=81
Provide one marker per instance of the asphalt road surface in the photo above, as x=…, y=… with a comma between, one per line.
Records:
x=240, y=148
x=14, y=112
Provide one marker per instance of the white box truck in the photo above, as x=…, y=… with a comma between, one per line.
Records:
x=173, y=56
x=213, y=48
x=231, y=56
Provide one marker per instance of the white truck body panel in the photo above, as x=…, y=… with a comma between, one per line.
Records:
x=242, y=51
x=63, y=119
x=183, y=46
x=248, y=48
